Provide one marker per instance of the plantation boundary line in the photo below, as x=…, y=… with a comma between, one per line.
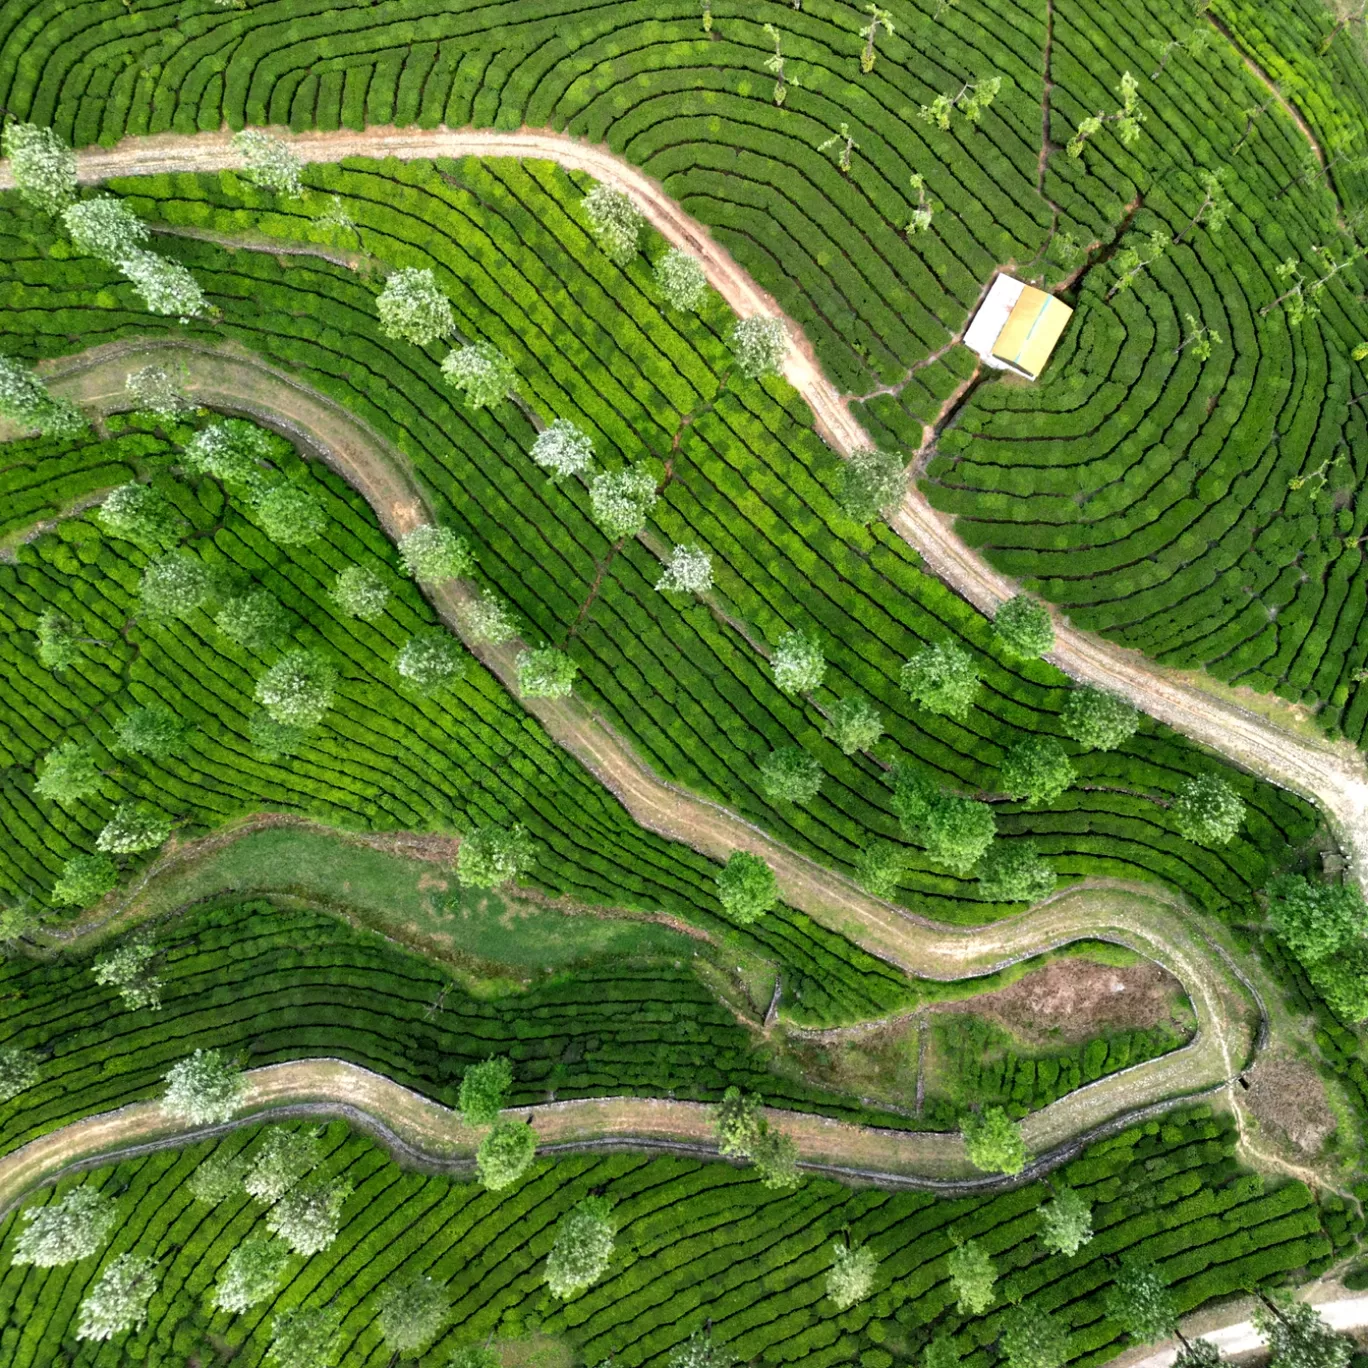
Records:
x=1333, y=775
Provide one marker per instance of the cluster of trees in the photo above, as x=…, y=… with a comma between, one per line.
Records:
x=743, y=1132
x=1324, y=926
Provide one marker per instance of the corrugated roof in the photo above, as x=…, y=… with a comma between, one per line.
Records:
x=1033, y=327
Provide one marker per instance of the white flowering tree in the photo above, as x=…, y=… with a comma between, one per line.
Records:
x=174, y=585
x=434, y=554
x=166, y=287
x=140, y=513
x=24, y=400
x=128, y=969
x=431, y=660
x=563, y=449
x=359, y=592
x=218, y=1178
x=614, y=221
x=688, y=571
x=488, y=619
x=582, y=1249
x=681, y=281
x=621, y=500
x=481, y=372
x=63, y=1232
x=118, y=1301
x=104, y=227
x=233, y=451
x=270, y=161
x=412, y=307
x=204, y=1089
x=298, y=689
x=309, y=1217
x=43, y=166
x=758, y=343
x=851, y=1277
x=132, y=828
x=545, y=672
x=798, y=662
x=153, y=390
x=252, y=1273
x=284, y=1157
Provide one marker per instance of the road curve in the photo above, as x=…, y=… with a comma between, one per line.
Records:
x=1331, y=774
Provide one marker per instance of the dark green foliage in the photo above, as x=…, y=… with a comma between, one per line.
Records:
x=957, y=832
x=1315, y=919
x=880, y=868
x=942, y=678
x=1207, y=810
x=1012, y=871
x=746, y=887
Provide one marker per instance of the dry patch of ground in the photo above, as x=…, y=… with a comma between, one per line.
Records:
x=1287, y=1098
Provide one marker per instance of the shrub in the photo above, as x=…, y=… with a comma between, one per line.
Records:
x=481, y=372
x=1098, y=720
x=854, y=724
x=582, y=1249
x=545, y=672
x=790, y=774
x=614, y=221
x=942, y=678
x=505, y=1153
x=492, y=855
x=484, y=1090
x=1207, y=810
x=413, y=308
x=759, y=344
x=993, y=1141
x=360, y=592
x=798, y=663
x=746, y=887
x=1012, y=871
x=1036, y=769
x=432, y=555
x=873, y=484
x=1023, y=627
x=681, y=280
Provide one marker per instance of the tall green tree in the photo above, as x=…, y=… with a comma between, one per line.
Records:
x=253, y=1273
x=1037, y=769
x=942, y=678
x=993, y=1141
x=1298, y=1337
x=1033, y=1337
x=1207, y=810
x=582, y=1248
x=413, y=1312
x=493, y=855
x=1024, y=628
x=484, y=1090
x=305, y=1337
x=68, y=773
x=746, y=887
x=1098, y=720
x=1314, y=919
x=1066, y=1222
x=505, y=1154
x=973, y=1277
x=1139, y=1300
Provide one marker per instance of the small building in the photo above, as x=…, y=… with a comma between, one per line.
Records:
x=1016, y=327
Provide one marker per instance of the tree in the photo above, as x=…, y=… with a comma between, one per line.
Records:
x=298, y=689
x=218, y=1177
x=790, y=774
x=290, y=515
x=1032, y=1337
x=1066, y=1222
x=413, y=308
x=492, y=855
x=941, y=1352
x=1140, y=1301
x=285, y=1156
x=309, y=1216
x=17, y=920
x=873, y=484
x=359, y=592
x=943, y=678
x=1131, y=261
x=854, y=724
x=958, y=832
x=582, y=1248
x=973, y=99
x=1098, y=720
x=133, y=828
x=614, y=221
x=1037, y=769
x=739, y=1122
x=775, y=1156
x=1198, y=1353
x=622, y=500
x=1315, y=919
x=880, y=868
x=1215, y=207
x=973, y=1276
x=919, y=221
x=25, y=401
x=474, y=1356
x=252, y=1273
x=1298, y=1337
x=432, y=555
x=270, y=162
x=759, y=344
x=1342, y=980
x=66, y=1231
x=993, y=1141
x=483, y=374
x=746, y=887
x=798, y=663
x=878, y=18
x=232, y=451
x=1301, y=298
x=851, y=1276
x=1023, y=627
x=775, y=63
x=84, y=880
x=43, y=167
x=118, y=1301
x=305, y=1337
x=59, y=640
x=1207, y=810
x=1127, y=119
x=68, y=773
x=488, y=619
x=844, y=141
x=166, y=287
x=1200, y=338
x=431, y=660
x=545, y=672
x=20, y=1070
x=681, y=280
x=563, y=449
x=104, y=227
x=204, y=1089
x=128, y=969
x=484, y=1090
x=505, y=1153
x=1012, y=871
x=412, y=1314
x=256, y=620
x=152, y=730
x=139, y=513
x=153, y=391
x=688, y=571
x=701, y=1351
x=174, y=585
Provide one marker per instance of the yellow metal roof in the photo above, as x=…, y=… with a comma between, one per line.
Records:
x=1031, y=331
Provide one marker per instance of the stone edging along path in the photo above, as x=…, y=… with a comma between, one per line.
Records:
x=1331, y=774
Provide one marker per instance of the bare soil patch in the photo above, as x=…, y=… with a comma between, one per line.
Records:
x=1287, y=1098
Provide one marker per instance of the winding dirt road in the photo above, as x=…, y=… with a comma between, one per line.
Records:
x=1331, y=774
